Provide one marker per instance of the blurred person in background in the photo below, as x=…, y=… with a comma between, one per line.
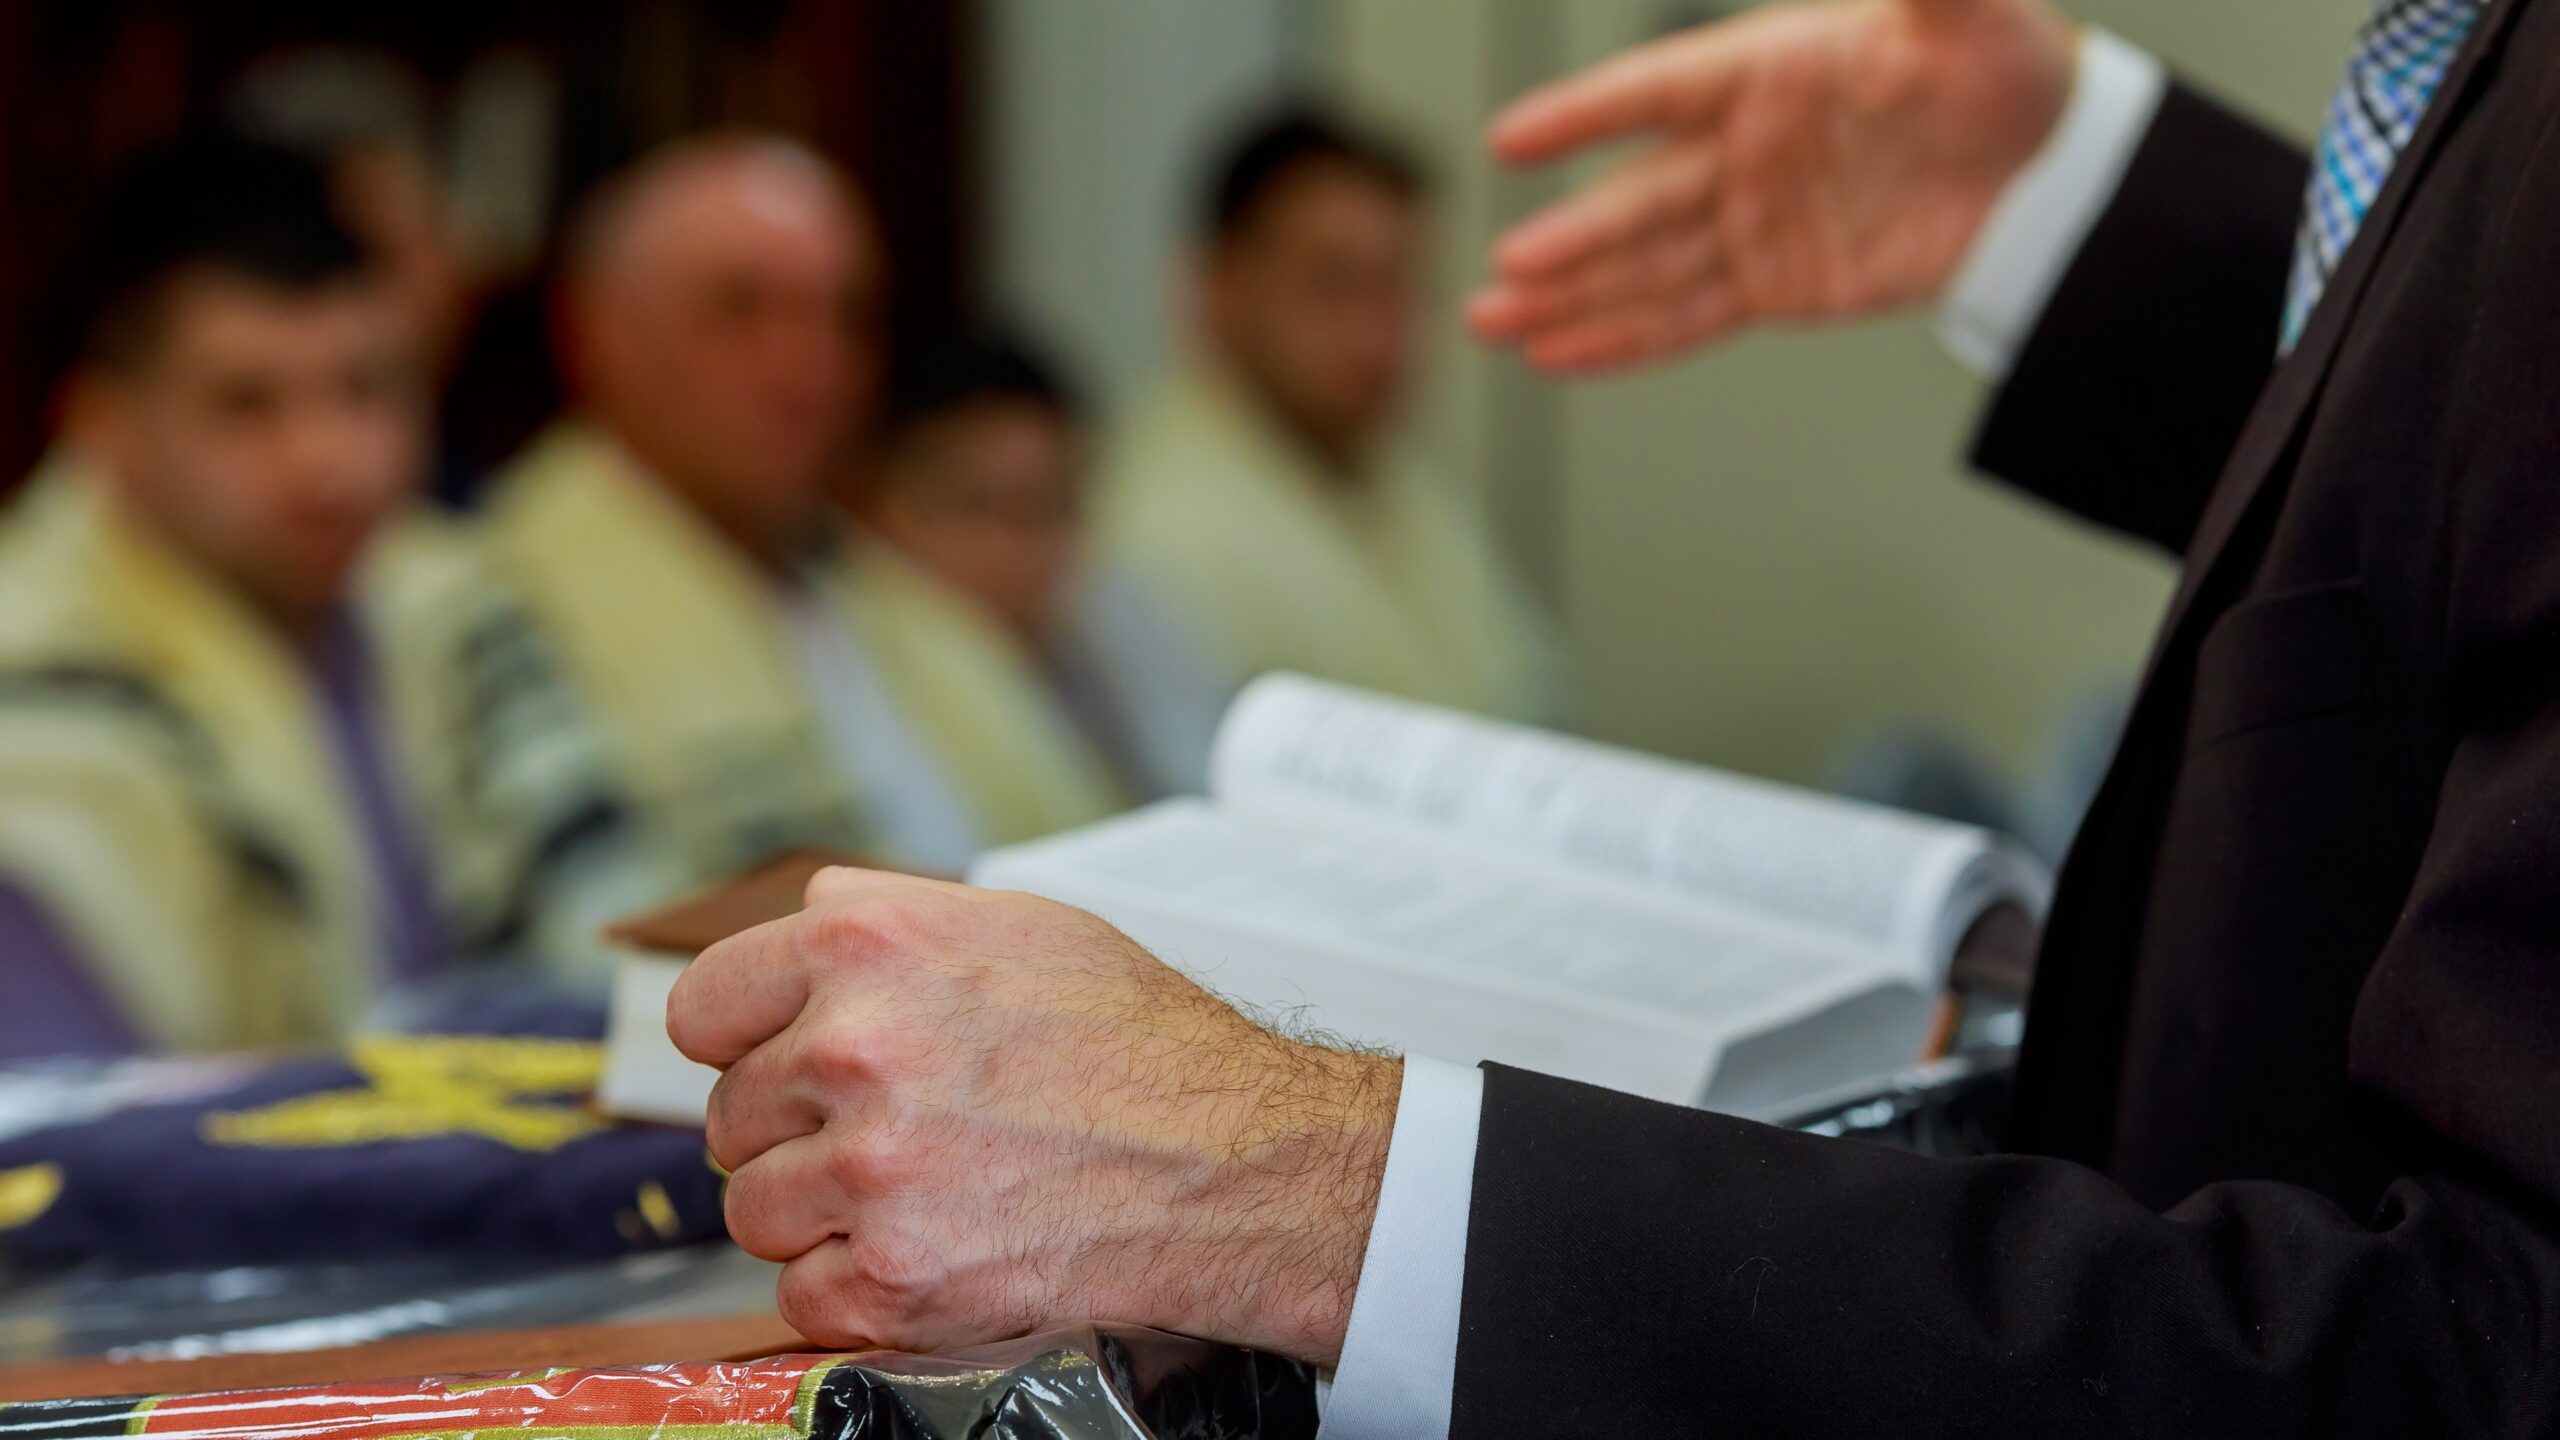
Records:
x=983, y=477
x=761, y=685
x=365, y=117
x=1265, y=488
x=247, y=705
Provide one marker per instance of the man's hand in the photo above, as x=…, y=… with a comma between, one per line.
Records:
x=1807, y=162
x=962, y=1116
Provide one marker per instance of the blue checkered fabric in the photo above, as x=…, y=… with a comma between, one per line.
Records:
x=2401, y=57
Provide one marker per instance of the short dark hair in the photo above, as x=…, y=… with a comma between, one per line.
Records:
x=211, y=199
x=973, y=366
x=1261, y=154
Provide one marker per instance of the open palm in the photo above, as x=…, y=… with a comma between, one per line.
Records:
x=1806, y=162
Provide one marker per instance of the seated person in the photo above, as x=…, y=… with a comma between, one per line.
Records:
x=366, y=116
x=245, y=705
x=760, y=685
x=982, y=478
x=1264, y=488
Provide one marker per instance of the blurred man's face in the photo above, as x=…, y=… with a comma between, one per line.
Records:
x=1313, y=303
x=264, y=433
x=989, y=495
x=728, y=337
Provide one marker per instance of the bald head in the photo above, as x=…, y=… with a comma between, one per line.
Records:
x=723, y=298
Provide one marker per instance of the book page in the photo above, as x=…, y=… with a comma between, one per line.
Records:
x=1447, y=953
x=1857, y=874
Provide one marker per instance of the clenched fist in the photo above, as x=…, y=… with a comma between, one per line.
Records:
x=1802, y=162
x=961, y=1116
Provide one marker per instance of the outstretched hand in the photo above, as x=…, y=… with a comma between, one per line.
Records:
x=1803, y=162
x=960, y=1116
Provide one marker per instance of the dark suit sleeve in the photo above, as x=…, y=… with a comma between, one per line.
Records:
x=1638, y=1269
x=2130, y=393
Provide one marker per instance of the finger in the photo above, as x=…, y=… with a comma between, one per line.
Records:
x=739, y=993
x=1637, y=335
x=790, y=1200
x=829, y=1066
x=1660, y=270
x=744, y=990
x=1496, y=312
x=817, y=1295
x=885, y=1288
x=1670, y=81
x=1664, y=189
x=1522, y=315
x=763, y=1101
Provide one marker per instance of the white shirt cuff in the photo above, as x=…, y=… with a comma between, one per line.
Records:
x=2041, y=220
x=1400, y=1353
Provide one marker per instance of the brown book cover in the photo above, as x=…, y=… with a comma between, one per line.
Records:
x=769, y=892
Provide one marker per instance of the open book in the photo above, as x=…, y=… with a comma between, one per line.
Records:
x=1397, y=874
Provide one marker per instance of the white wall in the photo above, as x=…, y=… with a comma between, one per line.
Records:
x=1099, y=110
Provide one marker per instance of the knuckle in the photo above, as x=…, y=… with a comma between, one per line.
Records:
x=848, y=1054
x=851, y=1165
x=898, y=1164
x=844, y=931
x=900, y=1278
x=870, y=1165
x=874, y=926
x=866, y=931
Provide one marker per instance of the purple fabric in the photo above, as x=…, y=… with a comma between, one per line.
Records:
x=49, y=1004
x=148, y=1188
x=411, y=930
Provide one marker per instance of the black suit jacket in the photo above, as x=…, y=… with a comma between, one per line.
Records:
x=2287, y=1159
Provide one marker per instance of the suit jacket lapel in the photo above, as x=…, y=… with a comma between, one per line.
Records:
x=2297, y=382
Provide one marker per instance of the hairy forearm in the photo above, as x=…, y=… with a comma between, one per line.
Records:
x=1275, y=1240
